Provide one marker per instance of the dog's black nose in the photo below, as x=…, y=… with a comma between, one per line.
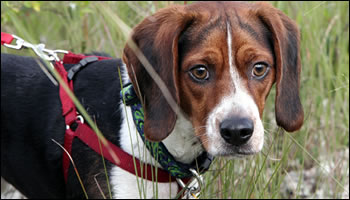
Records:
x=236, y=130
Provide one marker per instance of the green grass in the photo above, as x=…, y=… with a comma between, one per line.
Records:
x=319, y=145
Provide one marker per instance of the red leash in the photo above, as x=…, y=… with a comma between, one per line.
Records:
x=83, y=131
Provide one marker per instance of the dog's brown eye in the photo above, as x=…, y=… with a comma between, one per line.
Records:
x=260, y=70
x=199, y=73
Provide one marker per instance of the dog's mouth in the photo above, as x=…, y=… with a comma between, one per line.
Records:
x=219, y=148
x=220, y=140
x=236, y=152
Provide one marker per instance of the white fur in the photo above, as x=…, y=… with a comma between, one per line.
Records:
x=178, y=143
x=126, y=185
x=238, y=101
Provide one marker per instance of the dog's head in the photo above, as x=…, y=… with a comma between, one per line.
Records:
x=219, y=62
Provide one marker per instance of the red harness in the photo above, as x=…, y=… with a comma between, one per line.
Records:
x=88, y=136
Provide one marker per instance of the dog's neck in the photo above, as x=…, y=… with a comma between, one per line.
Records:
x=182, y=144
x=179, y=143
x=123, y=182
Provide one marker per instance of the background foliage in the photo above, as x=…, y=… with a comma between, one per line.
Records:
x=311, y=163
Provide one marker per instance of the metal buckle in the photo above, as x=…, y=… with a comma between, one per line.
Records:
x=39, y=49
x=80, y=118
x=193, y=189
x=19, y=43
x=204, y=161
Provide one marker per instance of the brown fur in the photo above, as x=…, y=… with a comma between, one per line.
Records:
x=179, y=37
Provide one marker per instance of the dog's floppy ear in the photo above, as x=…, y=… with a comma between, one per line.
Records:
x=157, y=38
x=285, y=38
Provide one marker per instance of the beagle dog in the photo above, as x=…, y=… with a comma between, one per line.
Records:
x=218, y=61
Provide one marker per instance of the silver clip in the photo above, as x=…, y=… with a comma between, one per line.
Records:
x=39, y=49
x=192, y=190
x=53, y=53
x=19, y=43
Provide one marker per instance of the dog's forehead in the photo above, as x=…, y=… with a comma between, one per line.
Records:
x=213, y=17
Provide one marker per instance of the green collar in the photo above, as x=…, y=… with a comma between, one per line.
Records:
x=157, y=149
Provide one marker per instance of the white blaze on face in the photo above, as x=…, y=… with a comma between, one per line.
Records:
x=237, y=102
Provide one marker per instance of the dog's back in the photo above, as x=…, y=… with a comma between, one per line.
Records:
x=30, y=160
x=28, y=102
